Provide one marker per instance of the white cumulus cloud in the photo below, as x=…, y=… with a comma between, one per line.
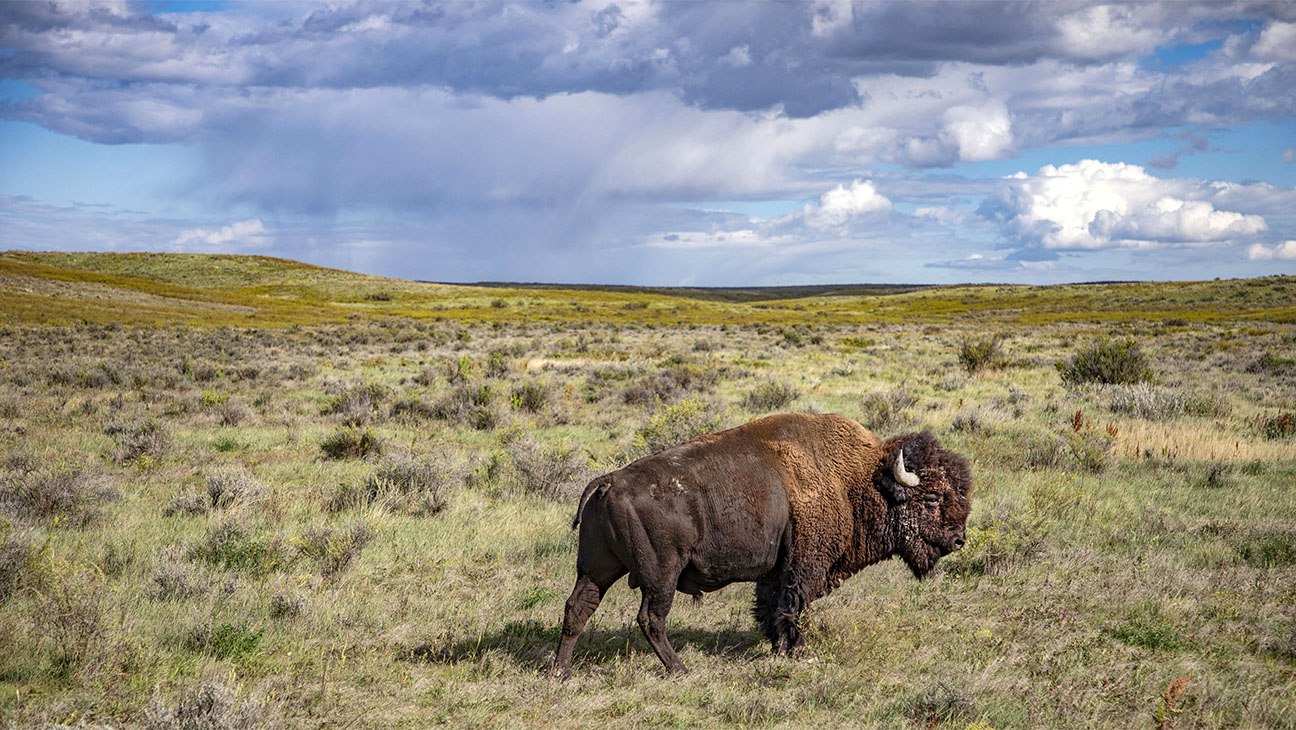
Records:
x=978, y=132
x=241, y=234
x=1285, y=251
x=841, y=205
x=1093, y=204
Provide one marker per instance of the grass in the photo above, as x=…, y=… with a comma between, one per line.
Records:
x=259, y=291
x=176, y=546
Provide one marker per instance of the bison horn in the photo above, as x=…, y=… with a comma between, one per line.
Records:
x=907, y=478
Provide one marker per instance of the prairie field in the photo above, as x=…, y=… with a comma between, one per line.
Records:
x=241, y=492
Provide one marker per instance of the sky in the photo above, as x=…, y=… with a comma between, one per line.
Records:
x=660, y=143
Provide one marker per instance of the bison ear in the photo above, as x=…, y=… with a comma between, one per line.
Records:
x=894, y=493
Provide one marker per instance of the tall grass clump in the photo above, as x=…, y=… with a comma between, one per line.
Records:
x=1109, y=362
x=981, y=354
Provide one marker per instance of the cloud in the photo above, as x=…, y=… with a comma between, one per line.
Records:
x=838, y=214
x=839, y=207
x=1277, y=42
x=242, y=234
x=979, y=132
x=1289, y=156
x=542, y=137
x=1104, y=31
x=1285, y=251
x=1094, y=205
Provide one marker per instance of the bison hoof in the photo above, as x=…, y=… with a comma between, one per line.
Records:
x=562, y=674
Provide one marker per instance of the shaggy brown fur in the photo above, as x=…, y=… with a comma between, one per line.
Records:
x=795, y=503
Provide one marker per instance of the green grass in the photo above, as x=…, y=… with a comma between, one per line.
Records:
x=1083, y=596
x=224, y=290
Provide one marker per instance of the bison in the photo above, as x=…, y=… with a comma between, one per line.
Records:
x=796, y=503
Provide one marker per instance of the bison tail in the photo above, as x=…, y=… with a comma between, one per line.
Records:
x=597, y=486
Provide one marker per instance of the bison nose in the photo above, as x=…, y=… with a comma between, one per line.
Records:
x=959, y=543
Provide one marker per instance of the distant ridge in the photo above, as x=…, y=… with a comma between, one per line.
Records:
x=721, y=293
x=213, y=290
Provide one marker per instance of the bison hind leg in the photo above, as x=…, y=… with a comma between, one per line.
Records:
x=584, y=599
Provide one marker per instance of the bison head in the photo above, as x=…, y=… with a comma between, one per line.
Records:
x=928, y=490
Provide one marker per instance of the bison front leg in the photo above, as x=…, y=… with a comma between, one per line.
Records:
x=779, y=602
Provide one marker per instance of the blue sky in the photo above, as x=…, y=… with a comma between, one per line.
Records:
x=709, y=143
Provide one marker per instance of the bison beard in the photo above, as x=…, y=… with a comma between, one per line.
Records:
x=794, y=503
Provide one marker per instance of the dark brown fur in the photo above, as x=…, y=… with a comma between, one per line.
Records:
x=796, y=503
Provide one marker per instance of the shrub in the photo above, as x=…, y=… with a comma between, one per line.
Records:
x=233, y=413
x=223, y=641
x=350, y=442
x=230, y=545
x=770, y=396
x=1272, y=364
x=419, y=485
x=10, y=406
x=1044, y=451
x=413, y=410
x=469, y=404
x=1091, y=449
x=969, y=421
x=173, y=579
x=550, y=470
x=287, y=605
x=17, y=557
x=975, y=355
x=68, y=497
x=1143, y=400
x=231, y=485
x=997, y=545
x=333, y=548
x=1111, y=362
x=145, y=439
x=668, y=385
x=497, y=364
x=187, y=504
x=942, y=702
x=69, y=613
x=1280, y=426
x=674, y=425
x=883, y=412
x=529, y=397
x=357, y=404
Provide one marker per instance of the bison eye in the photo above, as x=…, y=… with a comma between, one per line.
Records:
x=932, y=499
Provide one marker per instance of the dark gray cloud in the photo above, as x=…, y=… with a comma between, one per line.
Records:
x=804, y=57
